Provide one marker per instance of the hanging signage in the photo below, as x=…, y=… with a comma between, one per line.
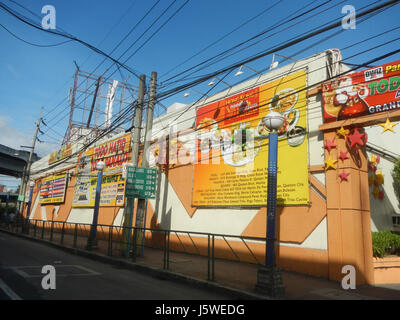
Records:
x=362, y=93
x=141, y=182
x=114, y=153
x=231, y=164
x=63, y=153
x=52, y=189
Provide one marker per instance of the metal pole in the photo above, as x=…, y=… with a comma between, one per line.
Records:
x=28, y=166
x=135, y=136
x=140, y=221
x=271, y=199
x=92, y=241
x=20, y=203
x=28, y=212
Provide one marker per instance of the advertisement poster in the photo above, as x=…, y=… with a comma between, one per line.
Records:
x=114, y=153
x=60, y=154
x=362, y=93
x=231, y=165
x=52, y=189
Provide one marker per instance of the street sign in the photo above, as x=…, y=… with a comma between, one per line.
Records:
x=141, y=182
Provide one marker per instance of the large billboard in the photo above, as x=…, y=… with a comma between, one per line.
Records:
x=231, y=165
x=362, y=93
x=114, y=153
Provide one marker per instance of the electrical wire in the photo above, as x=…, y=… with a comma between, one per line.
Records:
x=34, y=44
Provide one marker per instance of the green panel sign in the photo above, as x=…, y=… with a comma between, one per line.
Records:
x=141, y=183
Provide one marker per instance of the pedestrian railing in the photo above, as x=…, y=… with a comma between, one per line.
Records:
x=153, y=246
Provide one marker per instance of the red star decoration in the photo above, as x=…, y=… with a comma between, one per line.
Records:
x=356, y=138
x=343, y=155
x=343, y=176
x=330, y=144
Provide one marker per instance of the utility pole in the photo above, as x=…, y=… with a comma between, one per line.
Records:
x=135, y=138
x=28, y=165
x=140, y=214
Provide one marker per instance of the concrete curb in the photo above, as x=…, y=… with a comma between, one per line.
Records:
x=152, y=271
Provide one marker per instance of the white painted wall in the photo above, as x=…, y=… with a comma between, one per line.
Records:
x=387, y=142
x=169, y=209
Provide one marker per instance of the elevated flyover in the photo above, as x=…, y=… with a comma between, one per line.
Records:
x=12, y=161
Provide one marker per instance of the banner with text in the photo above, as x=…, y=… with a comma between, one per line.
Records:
x=52, y=189
x=362, y=93
x=114, y=153
x=231, y=166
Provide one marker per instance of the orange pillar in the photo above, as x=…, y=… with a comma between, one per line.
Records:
x=348, y=212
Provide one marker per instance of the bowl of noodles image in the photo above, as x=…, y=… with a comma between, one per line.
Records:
x=284, y=100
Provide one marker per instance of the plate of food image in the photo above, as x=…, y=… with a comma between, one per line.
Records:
x=207, y=125
x=240, y=154
x=284, y=100
x=296, y=136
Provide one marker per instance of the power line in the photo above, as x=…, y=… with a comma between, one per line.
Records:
x=35, y=44
x=224, y=36
x=267, y=30
x=276, y=49
x=154, y=33
x=65, y=35
x=121, y=41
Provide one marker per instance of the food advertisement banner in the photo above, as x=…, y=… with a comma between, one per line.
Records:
x=231, y=165
x=52, y=189
x=362, y=93
x=114, y=153
x=60, y=154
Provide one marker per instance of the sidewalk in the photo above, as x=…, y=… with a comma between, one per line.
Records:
x=239, y=276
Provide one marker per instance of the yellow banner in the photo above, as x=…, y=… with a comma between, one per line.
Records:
x=114, y=153
x=231, y=166
x=60, y=154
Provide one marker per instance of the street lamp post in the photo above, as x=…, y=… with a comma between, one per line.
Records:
x=92, y=241
x=269, y=278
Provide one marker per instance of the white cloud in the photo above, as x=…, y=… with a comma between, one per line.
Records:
x=14, y=138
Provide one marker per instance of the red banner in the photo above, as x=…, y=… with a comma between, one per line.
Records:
x=362, y=93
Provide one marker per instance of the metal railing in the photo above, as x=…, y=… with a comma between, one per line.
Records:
x=163, y=242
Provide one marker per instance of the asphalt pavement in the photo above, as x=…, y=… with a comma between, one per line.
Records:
x=80, y=278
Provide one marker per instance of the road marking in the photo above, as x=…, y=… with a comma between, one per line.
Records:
x=7, y=290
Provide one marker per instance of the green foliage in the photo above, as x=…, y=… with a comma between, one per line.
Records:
x=385, y=243
x=396, y=178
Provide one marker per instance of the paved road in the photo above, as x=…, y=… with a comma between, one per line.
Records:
x=77, y=277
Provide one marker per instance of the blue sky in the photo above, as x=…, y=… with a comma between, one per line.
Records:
x=33, y=77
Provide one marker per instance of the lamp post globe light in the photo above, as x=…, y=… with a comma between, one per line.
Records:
x=92, y=241
x=269, y=278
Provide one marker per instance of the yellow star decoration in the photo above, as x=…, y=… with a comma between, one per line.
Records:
x=373, y=160
x=375, y=192
x=387, y=126
x=330, y=163
x=379, y=177
x=342, y=132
